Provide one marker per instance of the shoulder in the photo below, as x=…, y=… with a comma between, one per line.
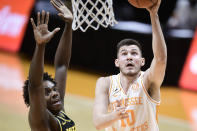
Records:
x=104, y=80
x=103, y=83
x=48, y=122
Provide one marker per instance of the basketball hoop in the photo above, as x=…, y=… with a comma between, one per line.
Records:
x=92, y=13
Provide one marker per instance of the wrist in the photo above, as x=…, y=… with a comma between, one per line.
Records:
x=69, y=24
x=154, y=14
x=40, y=45
x=114, y=116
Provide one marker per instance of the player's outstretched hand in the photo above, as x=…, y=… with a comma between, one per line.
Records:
x=41, y=33
x=154, y=9
x=64, y=12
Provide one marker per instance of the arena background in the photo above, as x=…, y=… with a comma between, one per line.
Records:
x=93, y=56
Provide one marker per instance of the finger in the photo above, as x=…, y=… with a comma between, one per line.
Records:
x=118, y=103
x=67, y=9
x=55, y=30
x=61, y=15
x=124, y=116
x=60, y=2
x=56, y=6
x=159, y=1
x=56, y=2
x=43, y=15
x=47, y=18
x=33, y=24
x=121, y=108
x=38, y=18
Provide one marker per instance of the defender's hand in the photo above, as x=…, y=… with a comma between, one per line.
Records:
x=154, y=9
x=41, y=33
x=64, y=12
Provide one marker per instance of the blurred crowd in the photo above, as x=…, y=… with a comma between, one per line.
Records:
x=184, y=15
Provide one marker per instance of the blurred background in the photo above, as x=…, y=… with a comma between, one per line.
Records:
x=93, y=55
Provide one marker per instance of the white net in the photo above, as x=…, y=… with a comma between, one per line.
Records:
x=92, y=13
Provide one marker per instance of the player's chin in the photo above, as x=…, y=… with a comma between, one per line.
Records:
x=130, y=73
x=57, y=107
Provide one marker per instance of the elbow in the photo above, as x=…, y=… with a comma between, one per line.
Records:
x=62, y=61
x=98, y=127
x=162, y=59
x=97, y=124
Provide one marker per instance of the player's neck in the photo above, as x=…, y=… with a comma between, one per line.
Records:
x=127, y=81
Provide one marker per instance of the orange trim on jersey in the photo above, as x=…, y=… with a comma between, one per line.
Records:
x=120, y=85
x=111, y=83
x=151, y=99
x=157, y=112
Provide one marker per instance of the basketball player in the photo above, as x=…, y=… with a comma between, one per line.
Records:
x=43, y=94
x=128, y=101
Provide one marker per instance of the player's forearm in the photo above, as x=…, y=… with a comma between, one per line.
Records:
x=37, y=66
x=102, y=121
x=63, y=53
x=159, y=45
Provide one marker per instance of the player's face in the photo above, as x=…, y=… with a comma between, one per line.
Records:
x=52, y=97
x=129, y=60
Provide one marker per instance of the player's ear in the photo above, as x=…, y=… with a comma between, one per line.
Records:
x=116, y=62
x=142, y=61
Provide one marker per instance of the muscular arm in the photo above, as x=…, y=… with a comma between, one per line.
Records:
x=38, y=115
x=155, y=74
x=63, y=53
x=36, y=91
x=101, y=117
x=62, y=59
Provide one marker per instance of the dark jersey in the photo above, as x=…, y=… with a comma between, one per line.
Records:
x=65, y=123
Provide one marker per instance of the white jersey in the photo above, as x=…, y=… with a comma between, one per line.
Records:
x=142, y=109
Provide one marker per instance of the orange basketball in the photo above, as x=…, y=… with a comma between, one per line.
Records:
x=142, y=3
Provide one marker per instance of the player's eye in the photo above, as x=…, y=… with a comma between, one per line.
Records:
x=54, y=89
x=124, y=53
x=134, y=53
x=47, y=91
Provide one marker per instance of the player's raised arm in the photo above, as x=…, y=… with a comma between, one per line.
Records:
x=101, y=117
x=155, y=74
x=37, y=101
x=42, y=36
x=63, y=53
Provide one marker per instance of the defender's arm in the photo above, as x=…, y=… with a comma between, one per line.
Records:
x=63, y=53
x=38, y=115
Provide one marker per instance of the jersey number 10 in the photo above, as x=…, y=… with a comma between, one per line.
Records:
x=129, y=122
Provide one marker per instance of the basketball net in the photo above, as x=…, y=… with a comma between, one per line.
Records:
x=92, y=13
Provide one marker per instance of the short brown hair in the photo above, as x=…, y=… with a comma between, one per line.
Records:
x=128, y=42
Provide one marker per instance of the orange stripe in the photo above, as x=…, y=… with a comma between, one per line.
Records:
x=111, y=83
x=120, y=85
x=149, y=95
x=157, y=111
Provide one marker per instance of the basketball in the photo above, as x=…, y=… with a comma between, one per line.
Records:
x=142, y=3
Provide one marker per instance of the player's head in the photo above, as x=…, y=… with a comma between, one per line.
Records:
x=129, y=57
x=52, y=96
